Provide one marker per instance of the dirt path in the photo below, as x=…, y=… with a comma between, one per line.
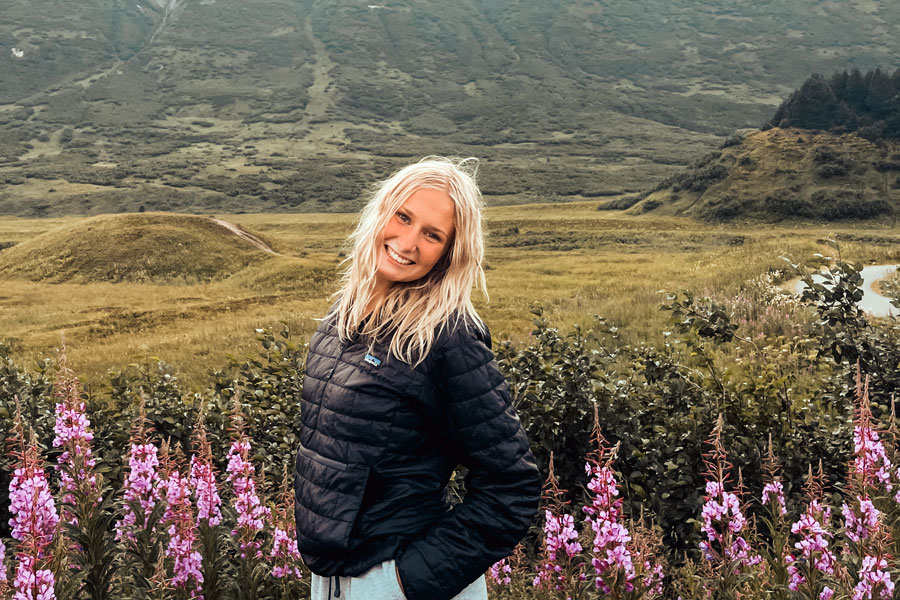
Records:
x=246, y=235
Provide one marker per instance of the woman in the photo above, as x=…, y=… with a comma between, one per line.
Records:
x=401, y=386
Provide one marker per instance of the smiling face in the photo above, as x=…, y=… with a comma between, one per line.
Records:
x=415, y=238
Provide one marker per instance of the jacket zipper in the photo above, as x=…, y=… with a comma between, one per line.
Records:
x=337, y=359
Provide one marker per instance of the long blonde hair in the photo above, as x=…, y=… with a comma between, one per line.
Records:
x=414, y=313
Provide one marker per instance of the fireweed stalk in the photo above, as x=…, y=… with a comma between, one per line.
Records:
x=501, y=572
x=618, y=572
x=775, y=518
x=284, y=556
x=34, y=519
x=251, y=515
x=181, y=527
x=730, y=558
x=141, y=489
x=813, y=570
x=76, y=465
x=869, y=473
x=559, y=570
x=138, y=531
x=209, y=513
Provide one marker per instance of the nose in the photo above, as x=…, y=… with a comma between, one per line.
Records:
x=407, y=241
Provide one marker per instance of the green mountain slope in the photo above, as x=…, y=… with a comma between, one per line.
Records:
x=147, y=247
x=299, y=104
x=787, y=174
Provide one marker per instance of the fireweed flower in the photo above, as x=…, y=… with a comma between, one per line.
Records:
x=559, y=533
x=141, y=487
x=874, y=580
x=182, y=529
x=2, y=562
x=723, y=520
x=284, y=556
x=610, y=553
x=560, y=543
x=32, y=583
x=73, y=434
x=34, y=519
x=251, y=514
x=500, y=572
x=863, y=525
x=203, y=482
x=871, y=460
x=774, y=490
x=814, y=553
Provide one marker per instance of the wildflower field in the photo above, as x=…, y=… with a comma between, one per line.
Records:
x=751, y=454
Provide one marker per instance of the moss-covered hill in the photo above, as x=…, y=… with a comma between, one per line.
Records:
x=153, y=247
x=786, y=174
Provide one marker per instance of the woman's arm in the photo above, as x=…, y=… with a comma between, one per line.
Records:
x=503, y=485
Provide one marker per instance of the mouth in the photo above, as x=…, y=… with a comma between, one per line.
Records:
x=397, y=258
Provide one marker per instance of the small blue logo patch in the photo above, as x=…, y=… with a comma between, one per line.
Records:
x=372, y=360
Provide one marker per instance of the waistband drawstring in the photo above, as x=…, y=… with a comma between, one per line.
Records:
x=337, y=586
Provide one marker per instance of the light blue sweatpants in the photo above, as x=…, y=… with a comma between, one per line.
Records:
x=379, y=583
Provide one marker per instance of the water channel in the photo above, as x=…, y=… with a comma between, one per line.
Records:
x=872, y=302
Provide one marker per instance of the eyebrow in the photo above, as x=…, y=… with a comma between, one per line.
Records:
x=435, y=229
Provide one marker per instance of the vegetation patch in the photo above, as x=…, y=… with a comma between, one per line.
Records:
x=145, y=247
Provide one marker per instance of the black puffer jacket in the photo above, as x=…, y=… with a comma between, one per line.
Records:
x=378, y=444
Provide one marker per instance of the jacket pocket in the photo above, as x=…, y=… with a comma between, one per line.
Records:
x=328, y=494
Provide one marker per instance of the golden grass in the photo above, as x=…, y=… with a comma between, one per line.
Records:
x=582, y=262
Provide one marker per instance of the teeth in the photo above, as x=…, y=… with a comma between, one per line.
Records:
x=397, y=257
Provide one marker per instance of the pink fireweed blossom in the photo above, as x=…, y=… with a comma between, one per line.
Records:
x=775, y=491
x=723, y=520
x=182, y=530
x=500, y=572
x=141, y=487
x=559, y=535
x=251, y=514
x=75, y=464
x=813, y=545
x=863, y=526
x=32, y=583
x=2, y=562
x=873, y=577
x=33, y=509
x=34, y=520
x=284, y=555
x=610, y=553
x=203, y=481
x=871, y=460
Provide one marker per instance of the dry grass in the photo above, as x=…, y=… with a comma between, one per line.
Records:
x=571, y=258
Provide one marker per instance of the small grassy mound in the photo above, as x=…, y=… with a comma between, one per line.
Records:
x=138, y=247
x=786, y=174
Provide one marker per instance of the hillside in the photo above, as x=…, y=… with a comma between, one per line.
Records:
x=297, y=105
x=146, y=247
x=786, y=174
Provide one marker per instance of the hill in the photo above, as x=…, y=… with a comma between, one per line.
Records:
x=786, y=174
x=145, y=247
x=297, y=105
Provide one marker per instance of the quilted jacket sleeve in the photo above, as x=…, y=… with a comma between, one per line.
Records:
x=503, y=486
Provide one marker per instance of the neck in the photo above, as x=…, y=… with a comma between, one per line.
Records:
x=379, y=291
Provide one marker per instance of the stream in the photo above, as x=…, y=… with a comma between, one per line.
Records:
x=872, y=302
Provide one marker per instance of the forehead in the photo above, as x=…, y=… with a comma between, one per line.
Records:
x=433, y=207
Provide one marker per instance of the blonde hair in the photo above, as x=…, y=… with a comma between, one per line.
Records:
x=414, y=313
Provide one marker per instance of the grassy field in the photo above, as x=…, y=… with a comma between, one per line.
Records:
x=574, y=260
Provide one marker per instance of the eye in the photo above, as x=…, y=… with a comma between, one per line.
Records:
x=435, y=237
x=403, y=217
